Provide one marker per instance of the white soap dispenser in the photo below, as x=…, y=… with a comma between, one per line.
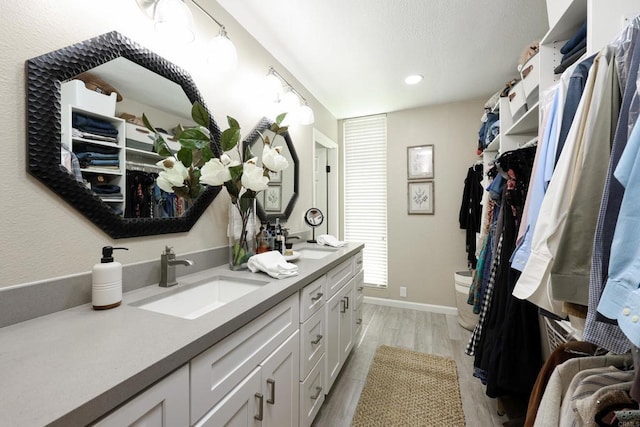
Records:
x=106, y=288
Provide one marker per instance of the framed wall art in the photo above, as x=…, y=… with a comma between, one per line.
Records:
x=275, y=177
x=420, y=162
x=420, y=198
x=273, y=198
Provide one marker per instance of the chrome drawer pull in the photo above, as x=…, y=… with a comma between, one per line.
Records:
x=272, y=385
x=260, y=415
x=317, y=395
x=347, y=299
x=317, y=340
x=359, y=322
x=317, y=297
x=360, y=288
x=344, y=307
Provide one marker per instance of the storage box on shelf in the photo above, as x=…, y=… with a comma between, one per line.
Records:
x=517, y=102
x=140, y=138
x=74, y=92
x=530, y=75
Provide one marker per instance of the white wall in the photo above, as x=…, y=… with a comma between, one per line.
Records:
x=42, y=237
x=426, y=250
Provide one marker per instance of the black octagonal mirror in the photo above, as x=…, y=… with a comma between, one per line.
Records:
x=279, y=199
x=46, y=130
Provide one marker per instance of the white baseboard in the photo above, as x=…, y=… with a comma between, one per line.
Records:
x=441, y=309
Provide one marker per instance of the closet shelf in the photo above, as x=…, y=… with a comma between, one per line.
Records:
x=568, y=23
x=527, y=124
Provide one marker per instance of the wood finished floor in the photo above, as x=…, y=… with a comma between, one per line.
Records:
x=426, y=332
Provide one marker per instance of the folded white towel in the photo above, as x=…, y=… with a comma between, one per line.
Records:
x=329, y=240
x=272, y=263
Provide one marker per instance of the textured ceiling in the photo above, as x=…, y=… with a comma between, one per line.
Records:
x=353, y=55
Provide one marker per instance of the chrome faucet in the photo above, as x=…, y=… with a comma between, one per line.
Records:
x=168, y=264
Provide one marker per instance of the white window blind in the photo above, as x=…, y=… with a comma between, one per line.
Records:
x=365, y=193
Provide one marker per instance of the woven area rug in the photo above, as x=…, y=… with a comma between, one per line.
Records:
x=407, y=388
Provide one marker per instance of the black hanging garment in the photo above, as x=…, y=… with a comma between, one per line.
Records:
x=139, y=202
x=509, y=352
x=471, y=210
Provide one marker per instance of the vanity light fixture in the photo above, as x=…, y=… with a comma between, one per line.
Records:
x=413, y=79
x=282, y=93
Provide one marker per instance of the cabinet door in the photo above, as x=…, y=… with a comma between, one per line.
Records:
x=347, y=324
x=280, y=384
x=358, y=289
x=332, y=342
x=163, y=404
x=242, y=407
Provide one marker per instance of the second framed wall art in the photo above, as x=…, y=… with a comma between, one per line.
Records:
x=420, y=198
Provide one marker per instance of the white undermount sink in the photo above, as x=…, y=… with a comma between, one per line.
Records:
x=315, y=253
x=197, y=299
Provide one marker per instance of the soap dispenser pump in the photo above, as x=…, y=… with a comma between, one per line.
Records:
x=106, y=287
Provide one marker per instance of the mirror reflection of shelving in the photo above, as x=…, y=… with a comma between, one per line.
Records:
x=99, y=152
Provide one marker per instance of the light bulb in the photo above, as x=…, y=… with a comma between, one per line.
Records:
x=306, y=115
x=173, y=19
x=290, y=101
x=272, y=87
x=223, y=53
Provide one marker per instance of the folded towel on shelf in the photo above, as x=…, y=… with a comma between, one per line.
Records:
x=272, y=263
x=329, y=240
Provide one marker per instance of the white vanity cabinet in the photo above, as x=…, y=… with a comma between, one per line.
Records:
x=166, y=403
x=223, y=385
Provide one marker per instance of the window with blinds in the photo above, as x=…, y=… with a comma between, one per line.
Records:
x=365, y=193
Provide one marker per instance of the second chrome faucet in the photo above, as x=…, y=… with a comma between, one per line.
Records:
x=168, y=264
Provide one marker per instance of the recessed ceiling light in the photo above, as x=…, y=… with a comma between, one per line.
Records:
x=413, y=79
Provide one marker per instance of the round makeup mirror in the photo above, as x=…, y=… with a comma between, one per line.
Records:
x=314, y=218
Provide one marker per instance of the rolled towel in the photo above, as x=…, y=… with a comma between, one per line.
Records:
x=329, y=240
x=272, y=263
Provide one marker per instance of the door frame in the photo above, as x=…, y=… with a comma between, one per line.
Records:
x=332, y=148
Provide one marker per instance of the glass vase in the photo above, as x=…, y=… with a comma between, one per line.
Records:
x=241, y=233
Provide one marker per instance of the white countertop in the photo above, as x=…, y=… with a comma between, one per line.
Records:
x=73, y=366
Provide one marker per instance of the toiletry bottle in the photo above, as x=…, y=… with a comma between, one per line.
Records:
x=278, y=242
x=106, y=288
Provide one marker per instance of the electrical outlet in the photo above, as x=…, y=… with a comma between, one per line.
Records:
x=403, y=291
